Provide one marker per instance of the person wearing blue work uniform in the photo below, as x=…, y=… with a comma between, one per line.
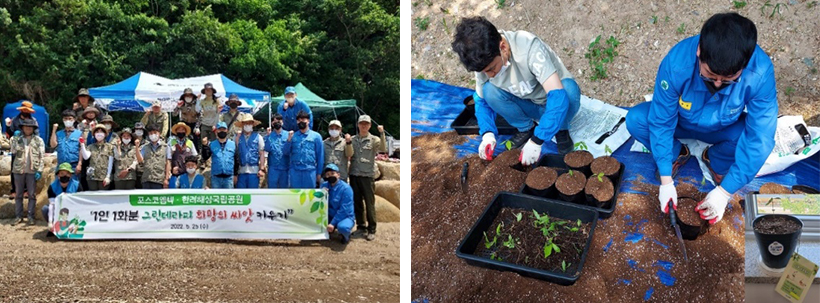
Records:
x=278, y=162
x=702, y=88
x=66, y=143
x=190, y=179
x=519, y=77
x=339, y=203
x=291, y=108
x=306, y=154
x=64, y=183
x=251, y=148
x=223, y=159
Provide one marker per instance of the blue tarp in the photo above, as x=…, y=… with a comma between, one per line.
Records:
x=434, y=105
x=40, y=114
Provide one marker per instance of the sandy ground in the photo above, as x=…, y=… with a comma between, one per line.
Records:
x=790, y=38
x=34, y=268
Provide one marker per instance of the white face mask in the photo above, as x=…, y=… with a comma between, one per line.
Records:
x=189, y=99
x=138, y=133
x=126, y=141
x=108, y=127
x=191, y=171
x=99, y=136
x=503, y=69
x=290, y=99
x=153, y=137
x=334, y=133
x=68, y=123
x=248, y=128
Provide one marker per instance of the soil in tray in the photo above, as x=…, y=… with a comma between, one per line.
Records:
x=578, y=158
x=570, y=184
x=774, y=189
x=442, y=214
x=541, y=178
x=776, y=226
x=687, y=213
x=607, y=165
x=602, y=190
x=521, y=243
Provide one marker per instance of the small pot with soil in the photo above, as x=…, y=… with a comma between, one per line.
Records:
x=691, y=225
x=599, y=191
x=541, y=182
x=570, y=186
x=607, y=165
x=579, y=160
x=777, y=236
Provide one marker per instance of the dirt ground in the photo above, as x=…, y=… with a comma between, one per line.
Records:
x=789, y=37
x=34, y=268
x=632, y=253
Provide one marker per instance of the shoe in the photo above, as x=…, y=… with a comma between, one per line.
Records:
x=519, y=139
x=49, y=234
x=343, y=240
x=360, y=231
x=683, y=157
x=31, y=221
x=371, y=236
x=564, y=142
x=715, y=177
x=19, y=221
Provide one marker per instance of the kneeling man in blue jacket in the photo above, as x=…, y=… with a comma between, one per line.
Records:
x=717, y=87
x=340, y=203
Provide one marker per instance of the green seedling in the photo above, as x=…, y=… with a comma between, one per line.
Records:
x=739, y=4
x=607, y=150
x=509, y=243
x=580, y=146
x=508, y=144
x=811, y=5
x=776, y=8
x=578, y=223
x=446, y=27
x=600, y=177
x=570, y=173
x=549, y=248
x=654, y=19
x=498, y=228
x=420, y=77
x=518, y=217
x=422, y=23
x=494, y=256
x=564, y=265
x=789, y=91
x=500, y=3
x=682, y=28
x=703, y=181
x=487, y=242
x=599, y=54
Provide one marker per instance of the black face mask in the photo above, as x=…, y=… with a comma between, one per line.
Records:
x=222, y=135
x=25, y=115
x=65, y=179
x=302, y=125
x=712, y=88
x=277, y=125
x=234, y=105
x=181, y=136
x=332, y=180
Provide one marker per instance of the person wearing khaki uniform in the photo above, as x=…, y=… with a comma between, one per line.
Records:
x=139, y=141
x=100, y=156
x=153, y=155
x=188, y=113
x=208, y=108
x=28, y=150
x=233, y=116
x=125, y=156
x=337, y=151
x=362, y=172
x=154, y=116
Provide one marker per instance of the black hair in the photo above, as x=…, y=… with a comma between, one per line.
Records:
x=302, y=114
x=69, y=113
x=727, y=42
x=476, y=43
x=276, y=116
x=64, y=211
x=191, y=159
x=151, y=128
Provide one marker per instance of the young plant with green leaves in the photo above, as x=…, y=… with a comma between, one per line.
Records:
x=607, y=150
x=600, y=54
x=509, y=243
x=422, y=23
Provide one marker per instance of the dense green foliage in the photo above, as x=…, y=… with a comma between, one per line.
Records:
x=340, y=49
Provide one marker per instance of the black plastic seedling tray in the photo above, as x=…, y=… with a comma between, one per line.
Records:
x=557, y=162
x=467, y=124
x=502, y=200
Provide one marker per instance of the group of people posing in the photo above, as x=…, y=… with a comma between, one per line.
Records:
x=93, y=156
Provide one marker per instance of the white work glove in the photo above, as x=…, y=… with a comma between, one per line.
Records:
x=666, y=192
x=530, y=153
x=106, y=181
x=714, y=205
x=487, y=146
x=196, y=130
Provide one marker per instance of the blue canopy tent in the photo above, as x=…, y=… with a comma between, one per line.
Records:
x=10, y=111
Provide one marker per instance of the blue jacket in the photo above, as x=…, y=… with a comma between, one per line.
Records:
x=556, y=109
x=72, y=187
x=274, y=145
x=68, y=148
x=222, y=160
x=289, y=115
x=306, y=151
x=681, y=99
x=249, y=149
x=340, y=201
x=184, y=182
